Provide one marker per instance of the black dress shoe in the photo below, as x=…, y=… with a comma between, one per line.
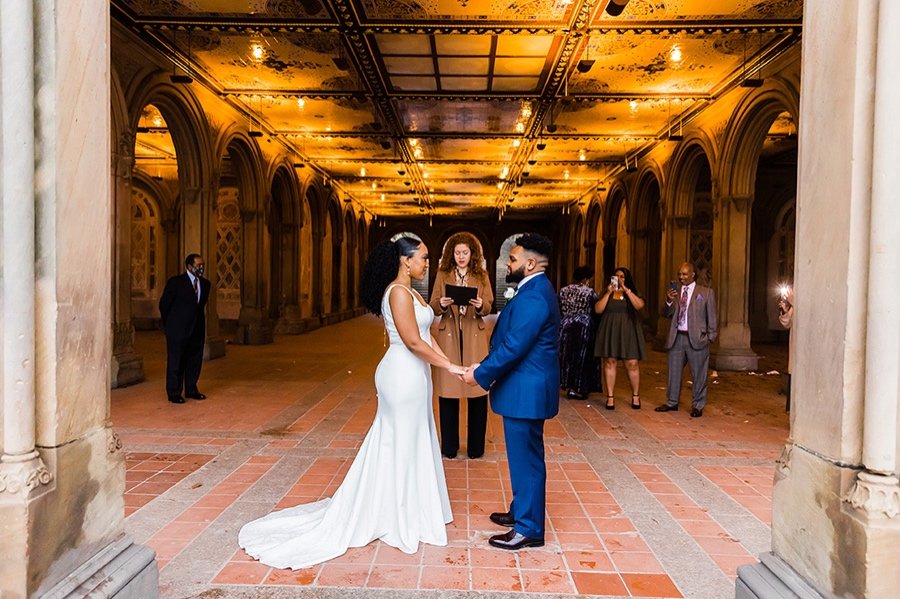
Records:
x=665, y=408
x=514, y=541
x=503, y=518
x=196, y=395
x=176, y=399
x=695, y=413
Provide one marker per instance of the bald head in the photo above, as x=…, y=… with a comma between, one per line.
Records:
x=686, y=274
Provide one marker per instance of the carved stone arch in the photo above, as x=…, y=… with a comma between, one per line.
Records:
x=281, y=218
x=683, y=173
x=646, y=217
x=187, y=124
x=747, y=128
x=283, y=171
x=234, y=143
x=649, y=173
x=592, y=233
x=614, y=240
x=119, y=120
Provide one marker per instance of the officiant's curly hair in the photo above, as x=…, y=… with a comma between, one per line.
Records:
x=381, y=268
x=448, y=261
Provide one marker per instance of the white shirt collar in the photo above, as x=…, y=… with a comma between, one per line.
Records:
x=526, y=279
x=192, y=276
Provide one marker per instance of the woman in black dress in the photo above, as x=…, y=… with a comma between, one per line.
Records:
x=619, y=336
x=577, y=366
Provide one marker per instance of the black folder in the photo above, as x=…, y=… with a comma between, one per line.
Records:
x=461, y=295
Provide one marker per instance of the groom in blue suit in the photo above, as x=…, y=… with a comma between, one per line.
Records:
x=522, y=372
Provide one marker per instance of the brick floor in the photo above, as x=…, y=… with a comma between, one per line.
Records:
x=639, y=503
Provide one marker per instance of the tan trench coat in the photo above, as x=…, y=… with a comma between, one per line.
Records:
x=474, y=334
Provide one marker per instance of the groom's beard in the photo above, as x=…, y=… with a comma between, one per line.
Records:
x=516, y=276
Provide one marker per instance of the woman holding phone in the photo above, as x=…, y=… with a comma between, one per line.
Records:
x=619, y=336
x=462, y=336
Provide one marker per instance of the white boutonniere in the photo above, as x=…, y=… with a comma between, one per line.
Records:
x=510, y=293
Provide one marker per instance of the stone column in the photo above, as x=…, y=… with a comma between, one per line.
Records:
x=208, y=199
x=290, y=322
x=731, y=274
x=127, y=367
x=62, y=469
x=254, y=325
x=836, y=504
x=675, y=250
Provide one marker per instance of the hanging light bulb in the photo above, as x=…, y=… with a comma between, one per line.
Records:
x=566, y=174
x=675, y=53
x=633, y=106
x=582, y=156
x=374, y=186
x=516, y=143
x=520, y=127
x=362, y=171
x=257, y=52
x=301, y=103
x=382, y=197
x=504, y=172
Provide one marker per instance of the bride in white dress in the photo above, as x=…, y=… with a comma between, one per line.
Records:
x=395, y=489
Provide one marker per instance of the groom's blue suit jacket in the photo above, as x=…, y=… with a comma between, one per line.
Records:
x=522, y=367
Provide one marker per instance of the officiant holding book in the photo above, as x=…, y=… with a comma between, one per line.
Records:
x=461, y=297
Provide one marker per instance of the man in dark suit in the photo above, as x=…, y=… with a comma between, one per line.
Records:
x=183, y=311
x=522, y=372
x=692, y=308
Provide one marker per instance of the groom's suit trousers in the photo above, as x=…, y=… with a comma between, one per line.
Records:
x=527, y=473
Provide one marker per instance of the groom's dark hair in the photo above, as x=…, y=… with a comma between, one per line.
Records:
x=537, y=244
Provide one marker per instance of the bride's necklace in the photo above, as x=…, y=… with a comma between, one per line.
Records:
x=461, y=277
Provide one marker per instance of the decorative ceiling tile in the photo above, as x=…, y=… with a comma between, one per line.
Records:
x=414, y=84
x=463, y=66
x=303, y=9
x=474, y=83
x=675, y=10
x=525, y=85
x=405, y=65
x=519, y=66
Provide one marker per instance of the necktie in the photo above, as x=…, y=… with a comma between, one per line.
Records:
x=682, y=307
x=195, y=288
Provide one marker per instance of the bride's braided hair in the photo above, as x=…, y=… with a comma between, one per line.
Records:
x=382, y=266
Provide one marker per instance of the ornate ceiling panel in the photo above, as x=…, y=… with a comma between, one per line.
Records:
x=463, y=106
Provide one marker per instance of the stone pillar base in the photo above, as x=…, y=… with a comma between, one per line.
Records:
x=214, y=348
x=771, y=578
x=126, y=368
x=121, y=569
x=736, y=359
x=255, y=333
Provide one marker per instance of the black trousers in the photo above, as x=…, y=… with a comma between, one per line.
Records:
x=449, y=412
x=184, y=360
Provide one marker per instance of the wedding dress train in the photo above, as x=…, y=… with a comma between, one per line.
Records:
x=395, y=489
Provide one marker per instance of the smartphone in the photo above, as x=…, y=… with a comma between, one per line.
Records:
x=614, y=281
x=673, y=285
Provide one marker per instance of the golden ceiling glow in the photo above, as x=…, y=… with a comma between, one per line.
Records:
x=460, y=107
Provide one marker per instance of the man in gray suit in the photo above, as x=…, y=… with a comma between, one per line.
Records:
x=692, y=308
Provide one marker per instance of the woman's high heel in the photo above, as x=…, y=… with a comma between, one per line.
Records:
x=610, y=402
x=636, y=405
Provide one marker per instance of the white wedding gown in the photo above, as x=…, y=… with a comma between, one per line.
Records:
x=395, y=489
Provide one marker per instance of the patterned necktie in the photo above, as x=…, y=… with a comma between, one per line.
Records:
x=682, y=307
x=196, y=283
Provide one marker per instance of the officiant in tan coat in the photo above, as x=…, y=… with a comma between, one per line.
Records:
x=463, y=336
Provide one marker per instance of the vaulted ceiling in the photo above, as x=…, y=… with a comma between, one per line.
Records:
x=453, y=107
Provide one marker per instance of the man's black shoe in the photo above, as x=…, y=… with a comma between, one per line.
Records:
x=196, y=395
x=514, y=541
x=665, y=408
x=503, y=518
x=176, y=399
x=695, y=413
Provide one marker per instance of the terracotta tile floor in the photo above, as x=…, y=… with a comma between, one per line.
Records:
x=639, y=504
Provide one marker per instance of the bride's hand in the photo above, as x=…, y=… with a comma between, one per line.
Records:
x=457, y=370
